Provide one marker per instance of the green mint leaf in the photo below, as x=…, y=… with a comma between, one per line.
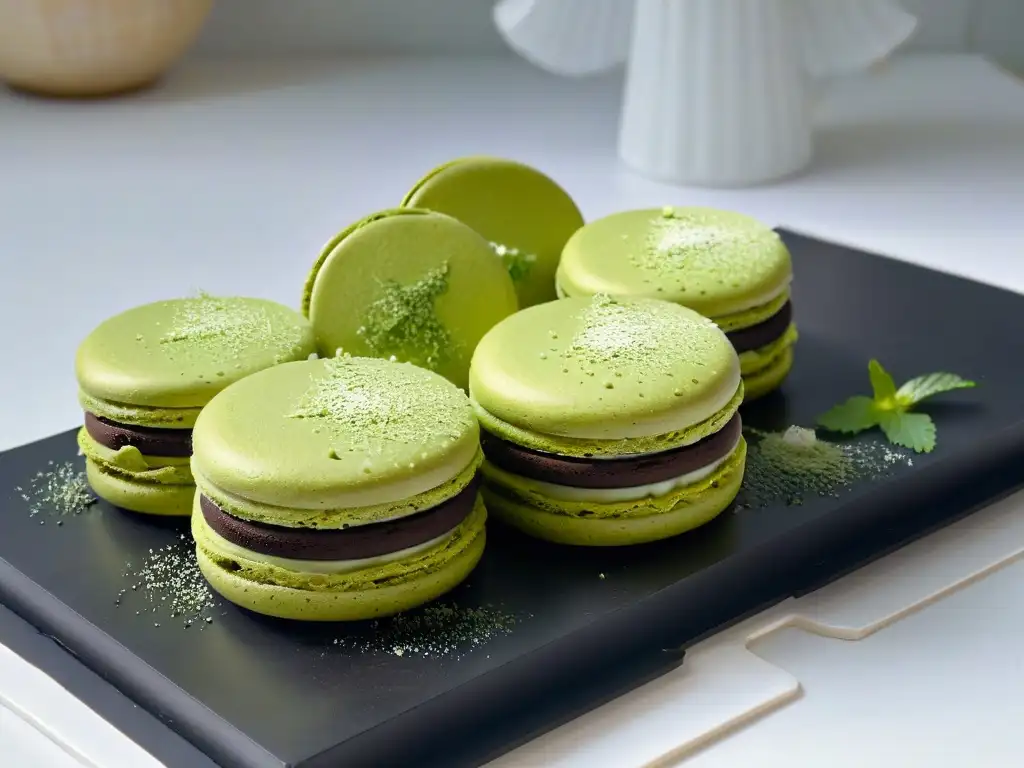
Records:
x=855, y=415
x=923, y=387
x=882, y=383
x=915, y=431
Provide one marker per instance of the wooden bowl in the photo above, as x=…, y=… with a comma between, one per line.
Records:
x=94, y=47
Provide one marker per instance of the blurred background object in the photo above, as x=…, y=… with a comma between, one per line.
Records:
x=718, y=92
x=94, y=47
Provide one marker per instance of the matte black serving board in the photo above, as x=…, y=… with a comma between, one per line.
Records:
x=255, y=693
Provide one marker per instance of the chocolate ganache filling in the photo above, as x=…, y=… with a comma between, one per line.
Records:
x=764, y=333
x=356, y=543
x=151, y=441
x=612, y=473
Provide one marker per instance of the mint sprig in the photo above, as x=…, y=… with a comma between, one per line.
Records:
x=889, y=408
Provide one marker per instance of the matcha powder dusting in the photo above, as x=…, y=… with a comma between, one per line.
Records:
x=403, y=322
x=441, y=631
x=795, y=465
x=61, y=490
x=369, y=403
x=640, y=333
x=170, y=585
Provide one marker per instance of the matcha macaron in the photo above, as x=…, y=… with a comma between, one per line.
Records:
x=525, y=216
x=337, y=489
x=144, y=376
x=410, y=285
x=726, y=266
x=608, y=421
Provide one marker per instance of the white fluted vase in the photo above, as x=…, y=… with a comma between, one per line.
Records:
x=716, y=93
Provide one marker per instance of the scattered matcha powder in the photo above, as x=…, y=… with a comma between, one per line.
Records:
x=518, y=263
x=221, y=327
x=439, y=631
x=370, y=404
x=706, y=243
x=403, y=321
x=795, y=465
x=171, y=583
x=60, y=490
x=641, y=335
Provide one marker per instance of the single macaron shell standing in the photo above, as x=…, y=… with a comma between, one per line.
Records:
x=338, y=489
x=524, y=214
x=608, y=421
x=726, y=266
x=413, y=285
x=144, y=376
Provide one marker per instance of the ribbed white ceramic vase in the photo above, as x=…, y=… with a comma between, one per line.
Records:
x=716, y=93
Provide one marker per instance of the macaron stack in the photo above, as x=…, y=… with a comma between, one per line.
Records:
x=408, y=284
x=525, y=216
x=726, y=266
x=337, y=489
x=608, y=421
x=145, y=375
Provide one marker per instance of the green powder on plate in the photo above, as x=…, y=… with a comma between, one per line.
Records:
x=795, y=465
x=60, y=490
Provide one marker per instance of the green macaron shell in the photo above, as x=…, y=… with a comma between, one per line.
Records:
x=770, y=377
x=604, y=371
x=512, y=500
x=344, y=432
x=156, y=364
x=524, y=214
x=291, y=517
x=583, y=448
x=138, y=496
x=132, y=463
x=756, y=360
x=716, y=262
x=415, y=285
x=373, y=592
x=128, y=479
x=138, y=415
x=754, y=315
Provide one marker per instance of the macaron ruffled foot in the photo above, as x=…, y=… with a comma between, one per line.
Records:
x=608, y=422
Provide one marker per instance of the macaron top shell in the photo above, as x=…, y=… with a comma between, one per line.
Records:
x=524, y=214
x=334, y=434
x=180, y=353
x=414, y=285
x=605, y=369
x=715, y=262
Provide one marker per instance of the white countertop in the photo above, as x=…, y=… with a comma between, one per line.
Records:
x=231, y=177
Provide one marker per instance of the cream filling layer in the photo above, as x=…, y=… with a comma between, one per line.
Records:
x=633, y=493
x=329, y=567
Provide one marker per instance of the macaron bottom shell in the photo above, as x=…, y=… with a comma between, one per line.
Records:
x=759, y=383
x=151, y=498
x=352, y=596
x=621, y=524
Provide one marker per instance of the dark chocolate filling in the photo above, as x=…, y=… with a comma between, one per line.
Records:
x=356, y=543
x=762, y=334
x=149, y=440
x=612, y=473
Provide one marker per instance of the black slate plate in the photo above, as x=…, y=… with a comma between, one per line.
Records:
x=251, y=692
